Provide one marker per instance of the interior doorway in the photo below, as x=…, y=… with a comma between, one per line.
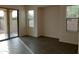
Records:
x=9, y=23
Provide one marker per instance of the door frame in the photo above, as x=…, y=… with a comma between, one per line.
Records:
x=8, y=23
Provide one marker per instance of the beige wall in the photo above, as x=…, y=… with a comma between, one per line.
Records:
x=40, y=21
x=55, y=25
x=22, y=22
x=50, y=21
x=70, y=37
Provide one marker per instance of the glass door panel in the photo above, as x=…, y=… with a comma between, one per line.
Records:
x=3, y=24
x=31, y=22
x=13, y=23
x=9, y=23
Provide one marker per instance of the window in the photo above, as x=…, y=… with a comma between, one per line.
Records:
x=72, y=17
x=31, y=18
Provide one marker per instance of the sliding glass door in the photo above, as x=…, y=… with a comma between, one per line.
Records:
x=3, y=24
x=9, y=23
x=13, y=23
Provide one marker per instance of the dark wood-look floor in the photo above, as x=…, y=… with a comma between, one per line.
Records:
x=13, y=46
x=40, y=45
x=45, y=45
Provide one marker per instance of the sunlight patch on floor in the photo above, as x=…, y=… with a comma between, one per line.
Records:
x=4, y=47
x=3, y=36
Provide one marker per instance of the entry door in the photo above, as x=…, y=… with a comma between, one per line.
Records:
x=31, y=22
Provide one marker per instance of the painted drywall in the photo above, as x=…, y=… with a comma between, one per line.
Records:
x=40, y=21
x=22, y=23
x=70, y=37
x=50, y=21
x=55, y=24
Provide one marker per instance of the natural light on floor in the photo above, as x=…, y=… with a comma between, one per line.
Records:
x=3, y=36
x=4, y=47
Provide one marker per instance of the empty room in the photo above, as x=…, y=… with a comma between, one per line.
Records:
x=39, y=29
